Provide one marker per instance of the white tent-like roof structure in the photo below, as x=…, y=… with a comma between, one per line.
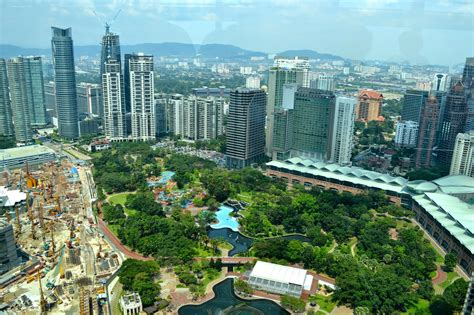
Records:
x=279, y=273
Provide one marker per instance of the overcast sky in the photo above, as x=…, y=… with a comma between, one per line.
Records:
x=418, y=31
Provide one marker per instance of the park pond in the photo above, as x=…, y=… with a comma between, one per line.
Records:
x=227, y=229
x=241, y=243
x=225, y=302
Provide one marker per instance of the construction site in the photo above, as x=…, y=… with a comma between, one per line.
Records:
x=63, y=263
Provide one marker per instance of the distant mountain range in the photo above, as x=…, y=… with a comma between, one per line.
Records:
x=169, y=49
x=311, y=54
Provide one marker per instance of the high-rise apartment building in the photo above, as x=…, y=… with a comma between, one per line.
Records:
x=342, y=130
x=463, y=155
x=469, y=110
x=161, y=106
x=468, y=73
x=299, y=63
x=126, y=82
x=406, y=134
x=454, y=120
x=413, y=101
x=282, y=134
x=65, y=79
x=313, y=110
x=26, y=93
x=174, y=114
x=209, y=117
x=323, y=82
x=369, y=105
x=283, y=124
x=440, y=82
x=114, y=101
x=6, y=118
x=468, y=81
x=9, y=257
x=192, y=117
x=142, y=97
x=89, y=99
x=284, y=72
x=427, y=132
x=88, y=125
x=110, y=49
x=20, y=98
x=35, y=90
x=252, y=82
x=245, y=127
x=50, y=97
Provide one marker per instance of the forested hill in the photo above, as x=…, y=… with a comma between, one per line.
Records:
x=169, y=49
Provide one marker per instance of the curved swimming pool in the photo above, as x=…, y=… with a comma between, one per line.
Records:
x=225, y=219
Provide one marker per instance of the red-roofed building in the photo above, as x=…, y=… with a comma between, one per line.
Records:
x=369, y=105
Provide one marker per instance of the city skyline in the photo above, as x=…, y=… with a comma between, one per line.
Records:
x=139, y=178
x=409, y=24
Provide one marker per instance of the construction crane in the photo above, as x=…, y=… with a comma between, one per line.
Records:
x=42, y=299
x=53, y=245
x=31, y=182
x=31, y=216
x=18, y=222
x=41, y=219
x=100, y=250
x=107, y=24
x=71, y=229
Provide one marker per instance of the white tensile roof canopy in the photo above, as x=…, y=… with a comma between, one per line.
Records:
x=279, y=273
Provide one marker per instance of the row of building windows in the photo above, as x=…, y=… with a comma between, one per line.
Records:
x=335, y=181
x=438, y=238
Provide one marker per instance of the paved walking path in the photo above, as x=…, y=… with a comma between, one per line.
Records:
x=114, y=239
x=440, y=277
x=116, y=242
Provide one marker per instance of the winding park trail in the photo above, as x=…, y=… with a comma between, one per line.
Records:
x=440, y=277
x=115, y=241
x=117, y=244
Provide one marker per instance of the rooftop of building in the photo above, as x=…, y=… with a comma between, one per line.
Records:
x=452, y=184
x=11, y=197
x=3, y=223
x=278, y=273
x=131, y=298
x=351, y=174
x=246, y=90
x=372, y=94
x=20, y=152
x=469, y=135
x=100, y=141
x=453, y=214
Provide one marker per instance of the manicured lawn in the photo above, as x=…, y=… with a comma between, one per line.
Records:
x=120, y=199
x=247, y=197
x=225, y=245
x=451, y=276
x=324, y=302
x=420, y=306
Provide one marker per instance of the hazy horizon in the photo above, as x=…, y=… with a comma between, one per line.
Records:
x=417, y=31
